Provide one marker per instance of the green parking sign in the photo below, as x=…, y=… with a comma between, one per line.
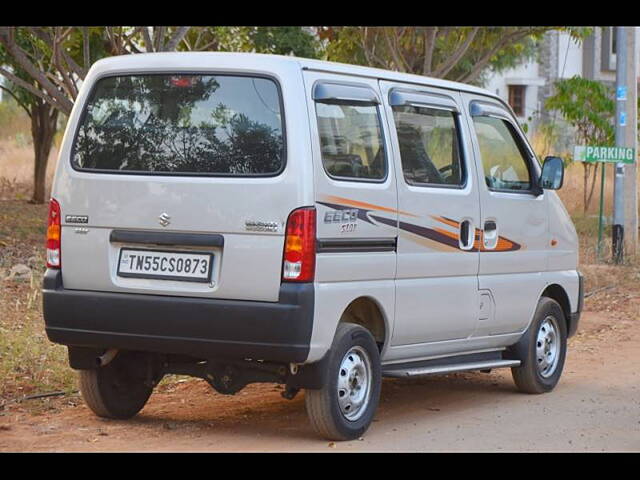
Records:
x=592, y=154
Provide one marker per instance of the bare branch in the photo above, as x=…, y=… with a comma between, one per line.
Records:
x=395, y=54
x=57, y=56
x=62, y=102
x=177, y=37
x=481, y=64
x=112, y=36
x=26, y=109
x=396, y=41
x=206, y=47
x=27, y=86
x=456, y=56
x=197, y=41
x=65, y=33
x=70, y=62
x=127, y=40
x=158, y=34
x=147, y=39
x=86, y=53
x=429, y=44
x=370, y=52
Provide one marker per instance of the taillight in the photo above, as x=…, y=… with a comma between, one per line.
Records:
x=299, y=259
x=53, y=235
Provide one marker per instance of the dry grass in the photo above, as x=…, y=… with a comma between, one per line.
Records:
x=29, y=363
x=14, y=123
x=16, y=170
x=16, y=154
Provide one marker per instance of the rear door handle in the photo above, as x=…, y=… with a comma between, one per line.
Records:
x=490, y=234
x=467, y=235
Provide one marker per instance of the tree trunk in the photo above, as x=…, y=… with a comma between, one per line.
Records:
x=44, y=119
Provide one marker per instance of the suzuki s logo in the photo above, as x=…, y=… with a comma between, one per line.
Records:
x=164, y=219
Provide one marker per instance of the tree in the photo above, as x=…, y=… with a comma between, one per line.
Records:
x=456, y=53
x=588, y=106
x=275, y=40
x=44, y=123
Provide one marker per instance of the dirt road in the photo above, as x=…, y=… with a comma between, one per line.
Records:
x=596, y=407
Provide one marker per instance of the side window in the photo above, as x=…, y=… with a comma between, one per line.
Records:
x=429, y=146
x=505, y=165
x=351, y=141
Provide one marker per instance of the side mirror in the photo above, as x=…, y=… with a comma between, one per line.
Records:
x=552, y=173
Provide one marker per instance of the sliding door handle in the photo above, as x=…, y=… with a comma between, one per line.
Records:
x=466, y=237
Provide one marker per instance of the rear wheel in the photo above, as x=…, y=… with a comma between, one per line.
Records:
x=542, y=349
x=344, y=407
x=118, y=390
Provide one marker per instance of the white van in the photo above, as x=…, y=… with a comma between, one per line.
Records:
x=256, y=218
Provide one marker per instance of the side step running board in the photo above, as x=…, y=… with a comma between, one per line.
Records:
x=408, y=371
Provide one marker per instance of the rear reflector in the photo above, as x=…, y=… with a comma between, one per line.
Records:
x=299, y=259
x=53, y=235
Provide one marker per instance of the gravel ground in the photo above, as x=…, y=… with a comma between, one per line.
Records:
x=595, y=407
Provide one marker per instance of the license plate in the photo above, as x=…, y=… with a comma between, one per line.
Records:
x=163, y=265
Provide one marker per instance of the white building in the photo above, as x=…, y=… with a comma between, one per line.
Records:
x=527, y=86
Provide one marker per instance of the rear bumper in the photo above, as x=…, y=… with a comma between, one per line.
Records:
x=198, y=327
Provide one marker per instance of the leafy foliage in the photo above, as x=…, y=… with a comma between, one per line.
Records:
x=456, y=53
x=588, y=106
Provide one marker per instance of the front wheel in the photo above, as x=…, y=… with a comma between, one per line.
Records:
x=542, y=349
x=344, y=407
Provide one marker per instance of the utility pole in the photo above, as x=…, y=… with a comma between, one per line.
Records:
x=631, y=173
x=617, y=234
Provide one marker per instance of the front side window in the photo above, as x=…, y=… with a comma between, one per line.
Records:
x=182, y=124
x=351, y=141
x=505, y=165
x=429, y=146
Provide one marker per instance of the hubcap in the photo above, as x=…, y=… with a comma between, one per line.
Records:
x=548, y=347
x=354, y=383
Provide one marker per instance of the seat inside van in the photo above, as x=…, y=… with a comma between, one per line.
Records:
x=417, y=164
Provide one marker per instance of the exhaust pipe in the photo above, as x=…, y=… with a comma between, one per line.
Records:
x=106, y=357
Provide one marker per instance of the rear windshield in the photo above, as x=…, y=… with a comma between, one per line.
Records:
x=182, y=124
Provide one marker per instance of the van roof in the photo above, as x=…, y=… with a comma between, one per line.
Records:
x=194, y=60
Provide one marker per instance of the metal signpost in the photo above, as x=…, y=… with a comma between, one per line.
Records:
x=617, y=233
x=623, y=154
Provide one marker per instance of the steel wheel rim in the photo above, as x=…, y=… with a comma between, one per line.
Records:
x=548, y=347
x=354, y=383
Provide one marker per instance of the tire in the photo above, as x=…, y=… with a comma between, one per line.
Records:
x=542, y=350
x=343, y=410
x=118, y=390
